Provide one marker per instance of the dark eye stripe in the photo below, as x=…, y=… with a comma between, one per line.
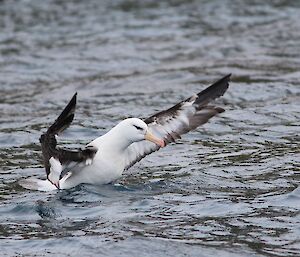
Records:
x=137, y=127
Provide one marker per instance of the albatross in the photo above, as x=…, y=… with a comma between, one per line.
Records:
x=104, y=159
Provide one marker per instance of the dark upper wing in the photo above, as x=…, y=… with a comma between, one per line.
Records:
x=183, y=117
x=49, y=143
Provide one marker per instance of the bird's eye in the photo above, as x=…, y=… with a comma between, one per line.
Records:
x=138, y=128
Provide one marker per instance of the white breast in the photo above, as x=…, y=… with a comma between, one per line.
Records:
x=107, y=166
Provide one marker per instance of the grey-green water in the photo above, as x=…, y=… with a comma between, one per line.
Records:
x=231, y=188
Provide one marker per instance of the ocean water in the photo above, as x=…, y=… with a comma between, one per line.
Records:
x=230, y=188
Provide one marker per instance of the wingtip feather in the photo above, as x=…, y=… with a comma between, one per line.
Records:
x=214, y=91
x=65, y=118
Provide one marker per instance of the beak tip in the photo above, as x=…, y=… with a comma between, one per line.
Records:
x=150, y=137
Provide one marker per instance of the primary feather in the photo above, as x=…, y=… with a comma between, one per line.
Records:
x=181, y=118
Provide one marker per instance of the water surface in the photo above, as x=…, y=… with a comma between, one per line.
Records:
x=231, y=188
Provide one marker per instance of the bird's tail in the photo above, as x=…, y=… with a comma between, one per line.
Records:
x=37, y=184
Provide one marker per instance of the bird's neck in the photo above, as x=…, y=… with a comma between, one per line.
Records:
x=116, y=140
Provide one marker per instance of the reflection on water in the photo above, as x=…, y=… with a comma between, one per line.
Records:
x=231, y=188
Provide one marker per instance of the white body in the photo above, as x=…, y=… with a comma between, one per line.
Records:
x=108, y=163
x=107, y=166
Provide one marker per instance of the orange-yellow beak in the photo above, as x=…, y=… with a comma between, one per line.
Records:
x=150, y=137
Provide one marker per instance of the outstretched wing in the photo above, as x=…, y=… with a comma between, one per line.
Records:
x=183, y=117
x=49, y=143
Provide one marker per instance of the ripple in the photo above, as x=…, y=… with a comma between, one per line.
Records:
x=231, y=188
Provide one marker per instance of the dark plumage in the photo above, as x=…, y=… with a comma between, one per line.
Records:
x=49, y=143
x=183, y=117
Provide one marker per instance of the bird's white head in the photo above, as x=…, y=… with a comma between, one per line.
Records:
x=136, y=130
